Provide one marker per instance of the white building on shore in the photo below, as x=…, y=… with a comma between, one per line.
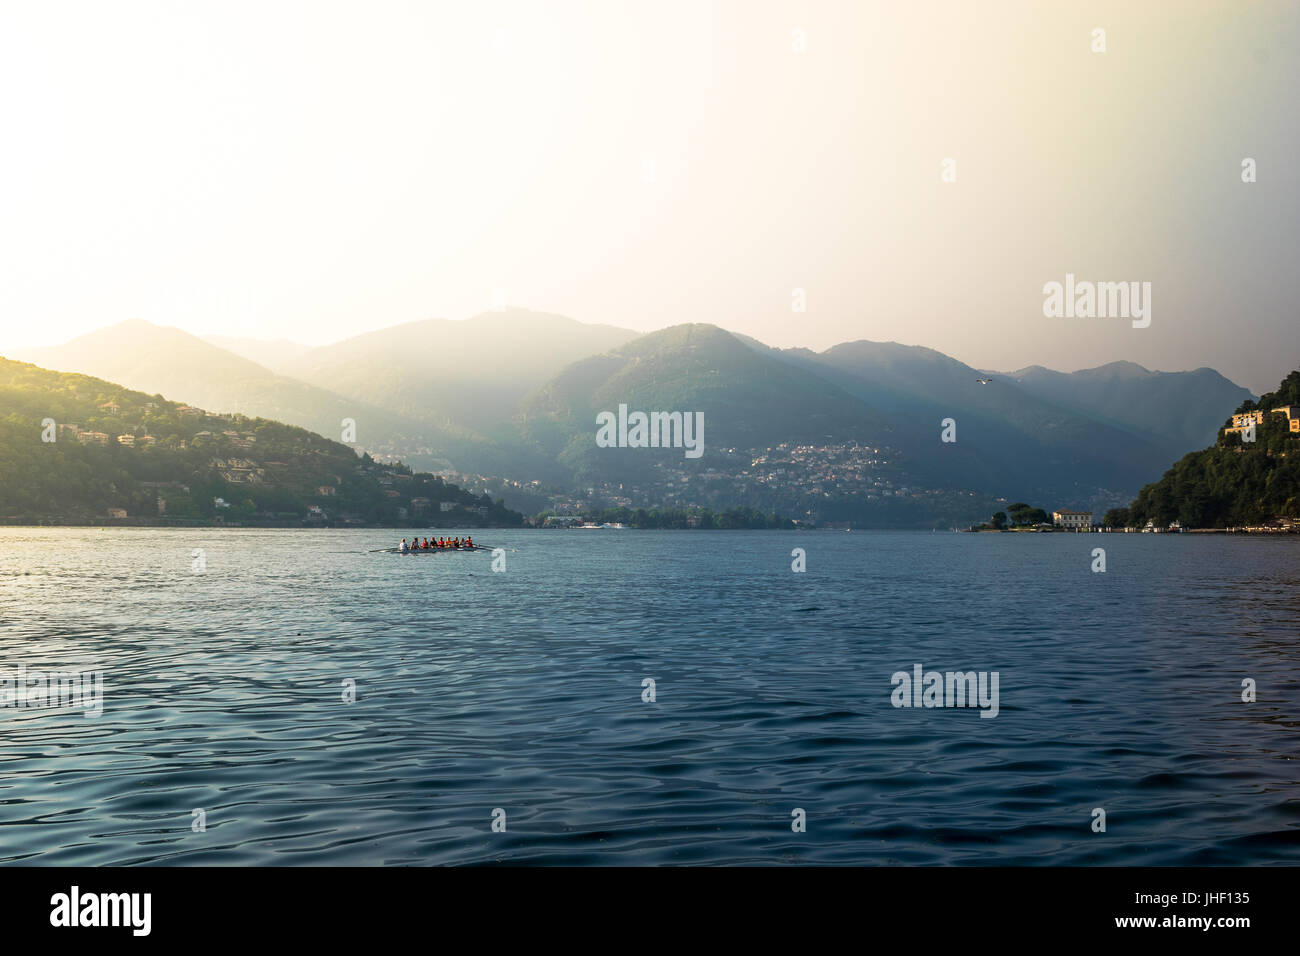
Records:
x=1072, y=520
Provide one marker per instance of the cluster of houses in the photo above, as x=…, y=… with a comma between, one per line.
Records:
x=1245, y=421
x=103, y=438
x=241, y=440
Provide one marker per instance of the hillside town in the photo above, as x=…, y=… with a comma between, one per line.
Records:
x=829, y=486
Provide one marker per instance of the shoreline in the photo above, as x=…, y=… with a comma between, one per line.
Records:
x=286, y=525
x=1232, y=531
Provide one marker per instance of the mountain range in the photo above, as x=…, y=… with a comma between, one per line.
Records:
x=853, y=431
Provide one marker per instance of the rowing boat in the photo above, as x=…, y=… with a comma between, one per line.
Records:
x=476, y=547
x=442, y=550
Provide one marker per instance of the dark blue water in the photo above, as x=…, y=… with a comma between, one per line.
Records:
x=522, y=690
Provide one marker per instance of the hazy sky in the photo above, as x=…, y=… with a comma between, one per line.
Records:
x=315, y=170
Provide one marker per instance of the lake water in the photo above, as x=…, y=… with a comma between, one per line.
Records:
x=522, y=690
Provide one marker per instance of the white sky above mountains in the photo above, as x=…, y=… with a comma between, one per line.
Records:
x=316, y=170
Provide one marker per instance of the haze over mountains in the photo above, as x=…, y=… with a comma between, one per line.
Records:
x=473, y=373
x=271, y=353
x=162, y=360
x=513, y=395
x=1188, y=406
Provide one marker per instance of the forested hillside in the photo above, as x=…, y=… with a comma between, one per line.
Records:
x=76, y=448
x=1233, y=483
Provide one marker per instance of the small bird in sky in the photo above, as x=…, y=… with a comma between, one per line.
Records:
x=983, y=381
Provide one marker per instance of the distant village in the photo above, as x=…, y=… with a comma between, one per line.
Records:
x=814, y=485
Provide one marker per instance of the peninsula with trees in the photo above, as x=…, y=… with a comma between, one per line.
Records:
x=1249, y=479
